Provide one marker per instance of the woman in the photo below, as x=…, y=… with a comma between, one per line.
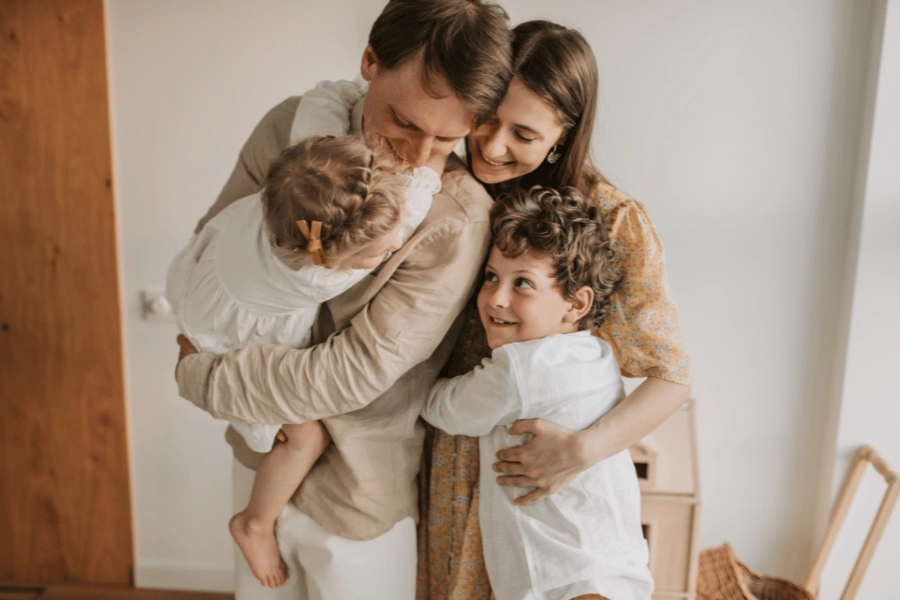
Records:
x=541, y=134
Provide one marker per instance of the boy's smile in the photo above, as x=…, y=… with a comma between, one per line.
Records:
x=520, y=300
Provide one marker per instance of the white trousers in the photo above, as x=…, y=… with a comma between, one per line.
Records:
x=324, y=566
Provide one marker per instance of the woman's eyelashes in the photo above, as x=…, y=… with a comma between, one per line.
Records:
x=524, y=138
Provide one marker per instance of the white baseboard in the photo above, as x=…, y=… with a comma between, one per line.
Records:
x=180, y=576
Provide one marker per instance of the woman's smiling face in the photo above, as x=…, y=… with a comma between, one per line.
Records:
x=517, y=139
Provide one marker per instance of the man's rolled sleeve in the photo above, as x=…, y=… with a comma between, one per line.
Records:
x=191, y=373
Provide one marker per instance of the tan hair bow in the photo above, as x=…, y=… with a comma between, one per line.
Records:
x=313, y=235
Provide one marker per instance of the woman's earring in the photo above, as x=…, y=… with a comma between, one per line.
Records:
x=553, y=155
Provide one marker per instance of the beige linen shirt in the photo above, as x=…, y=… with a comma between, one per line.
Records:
x=377, y=350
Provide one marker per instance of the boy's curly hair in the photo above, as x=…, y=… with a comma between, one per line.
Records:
x=560, y=225
x=339, y=181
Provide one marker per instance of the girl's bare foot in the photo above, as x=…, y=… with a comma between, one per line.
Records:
x=259, y=547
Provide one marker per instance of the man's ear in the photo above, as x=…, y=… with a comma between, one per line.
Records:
x=369, y=66
x=580, y=305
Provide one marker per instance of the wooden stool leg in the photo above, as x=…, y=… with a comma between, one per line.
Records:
x=839, y=514
x=868, y=549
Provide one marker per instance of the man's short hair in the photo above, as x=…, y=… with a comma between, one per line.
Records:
x=465, y=42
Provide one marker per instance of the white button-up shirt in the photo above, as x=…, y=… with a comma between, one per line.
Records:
x=586, y=538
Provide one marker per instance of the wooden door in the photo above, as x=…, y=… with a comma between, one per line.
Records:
x=64, y=489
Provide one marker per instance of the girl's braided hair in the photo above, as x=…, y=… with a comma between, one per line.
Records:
x=562, y=226
x=339, y=181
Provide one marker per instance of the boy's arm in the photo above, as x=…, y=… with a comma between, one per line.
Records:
x=474, y=403
x=399, y=328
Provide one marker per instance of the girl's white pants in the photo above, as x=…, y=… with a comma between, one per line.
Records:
x=324, y=566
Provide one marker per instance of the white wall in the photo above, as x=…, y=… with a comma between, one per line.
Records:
x=736, y=123
x=189, y=81
x=870, y=411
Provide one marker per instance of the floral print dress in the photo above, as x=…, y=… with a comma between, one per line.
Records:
x=643, y=328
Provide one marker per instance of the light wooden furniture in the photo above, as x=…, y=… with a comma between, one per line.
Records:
x=666, y=464
x=864, y=457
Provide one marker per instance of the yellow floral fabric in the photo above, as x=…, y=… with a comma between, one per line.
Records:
x=643, y=328
x=641, y=323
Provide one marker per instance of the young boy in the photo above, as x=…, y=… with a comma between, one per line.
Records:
x=547, y=283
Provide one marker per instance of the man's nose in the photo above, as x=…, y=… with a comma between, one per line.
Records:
x=419, y=152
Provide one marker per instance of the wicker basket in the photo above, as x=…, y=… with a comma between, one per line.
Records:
x=723, y=577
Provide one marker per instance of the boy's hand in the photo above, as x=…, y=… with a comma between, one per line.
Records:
x=551, y=459
x=185, y=347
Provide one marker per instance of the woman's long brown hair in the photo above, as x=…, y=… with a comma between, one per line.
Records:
x=557, y=64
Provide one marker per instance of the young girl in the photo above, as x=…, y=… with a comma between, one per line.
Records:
x=329, y=213
x=547, y=283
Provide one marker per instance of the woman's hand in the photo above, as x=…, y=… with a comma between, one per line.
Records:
x=185, y=347
x=551, y=459
x=555, y=455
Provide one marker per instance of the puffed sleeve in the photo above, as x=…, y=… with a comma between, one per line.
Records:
x=325, y=109
x=642, y=322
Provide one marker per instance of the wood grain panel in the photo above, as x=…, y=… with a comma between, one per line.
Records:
x=64, y=491
x=66, y=592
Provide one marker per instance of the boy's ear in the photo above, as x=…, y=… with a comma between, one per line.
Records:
x=580, y=304
x=369, y=66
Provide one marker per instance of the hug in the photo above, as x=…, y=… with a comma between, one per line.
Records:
x=415, y=299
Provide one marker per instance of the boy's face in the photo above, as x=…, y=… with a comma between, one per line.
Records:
x=416, y=128
x=520, y=300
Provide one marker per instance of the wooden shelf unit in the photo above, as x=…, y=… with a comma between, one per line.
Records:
x=666, y=463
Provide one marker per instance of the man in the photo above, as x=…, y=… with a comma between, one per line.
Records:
x=433, y=67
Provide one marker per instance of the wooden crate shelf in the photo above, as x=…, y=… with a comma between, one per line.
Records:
x=666, y=463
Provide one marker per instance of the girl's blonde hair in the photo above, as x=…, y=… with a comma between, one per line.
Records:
x=338, y=181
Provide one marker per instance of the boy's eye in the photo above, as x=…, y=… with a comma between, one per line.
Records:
x=521, y=282
x=490, y=276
